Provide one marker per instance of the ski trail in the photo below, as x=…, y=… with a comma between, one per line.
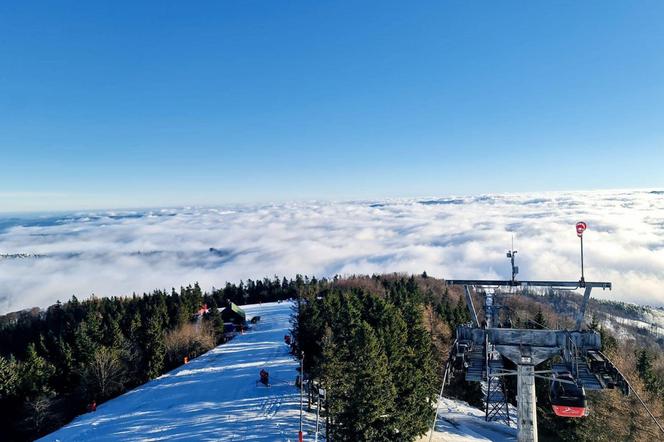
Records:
x=214, y=397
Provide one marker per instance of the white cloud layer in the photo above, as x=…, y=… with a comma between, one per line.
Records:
x=117, y=253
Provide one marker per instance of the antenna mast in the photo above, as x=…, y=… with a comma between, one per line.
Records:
x=511, y=254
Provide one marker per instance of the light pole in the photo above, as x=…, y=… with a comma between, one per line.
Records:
x=580, y=228
x=300, y=435
x=583, y=279
x=321, y=395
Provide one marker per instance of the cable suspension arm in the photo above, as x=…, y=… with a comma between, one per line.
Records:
x=638, y=397
x=646, y=407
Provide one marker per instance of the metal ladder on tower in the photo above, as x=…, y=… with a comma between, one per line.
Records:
x=497, y=405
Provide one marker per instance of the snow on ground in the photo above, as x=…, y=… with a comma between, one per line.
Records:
x=655, y=316
x=214, y=397
x=459, y=422
x=651, y=320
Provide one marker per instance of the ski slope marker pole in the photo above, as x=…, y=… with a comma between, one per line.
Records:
x=300, y=435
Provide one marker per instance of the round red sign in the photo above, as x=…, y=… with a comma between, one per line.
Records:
x=580, y=228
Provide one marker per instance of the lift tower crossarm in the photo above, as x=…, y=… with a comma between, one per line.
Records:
x=509, y=283
x=587, y=285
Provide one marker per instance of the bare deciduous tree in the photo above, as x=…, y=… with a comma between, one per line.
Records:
x=105, y=374
x=39, y=411
x=188, y=340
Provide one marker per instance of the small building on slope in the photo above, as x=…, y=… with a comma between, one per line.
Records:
x=234, y=314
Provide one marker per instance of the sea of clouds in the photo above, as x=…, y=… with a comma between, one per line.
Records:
x=51, y=257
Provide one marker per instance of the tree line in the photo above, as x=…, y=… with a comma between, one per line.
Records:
x=376, y=343
x=371, y=344
x=55, y=363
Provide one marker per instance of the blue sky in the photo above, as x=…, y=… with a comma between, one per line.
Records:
x=120, y=104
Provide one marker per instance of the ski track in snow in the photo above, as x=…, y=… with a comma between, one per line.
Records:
x=459, y=422
x=214, y=397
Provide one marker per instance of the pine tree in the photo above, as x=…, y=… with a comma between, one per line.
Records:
x=36, y=373
x=154, y=348
x=373, y=393
x=609, y=342
x=118, y=339
x=84, y=345
x=392, y=331
x=594, y=323
x=134, y=326
x=64, y=365
x=113, y=336
x=645, y=369
x=336, y=378
x=416, y=399
x=447, y=311
x=9, y=377
x=540, y=321
x=461, y=314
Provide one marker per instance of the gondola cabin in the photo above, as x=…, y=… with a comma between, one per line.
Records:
x=567, y=398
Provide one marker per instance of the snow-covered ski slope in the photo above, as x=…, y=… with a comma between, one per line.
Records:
x=214, y=397
x=459, y=422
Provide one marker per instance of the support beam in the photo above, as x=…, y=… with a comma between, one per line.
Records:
x=471, y=307
x=554, y=284
x=527, y=404
x=545, y=340
x=582, y=311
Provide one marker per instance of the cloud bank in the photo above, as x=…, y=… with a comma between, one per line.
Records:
x=46, y=258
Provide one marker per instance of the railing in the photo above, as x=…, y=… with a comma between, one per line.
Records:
x=448, y=366
x=571, y=353
x=486, y=354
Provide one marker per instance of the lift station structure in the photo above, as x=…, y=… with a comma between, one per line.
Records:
x=482, y=349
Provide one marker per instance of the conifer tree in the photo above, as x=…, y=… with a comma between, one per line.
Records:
x=461, y=314
x=113, y=336
x=361, y=390
x=540, y=321
x=134, y=326
x=392, y=332
x=35, y=374
x=154, y=347
x=336, y=378
x=118, y=339
x=594, y=323
x=9, y=377
x=64, y=364
x=94, y=326
x=374, y=394
x=418, y=394
x=84, y=345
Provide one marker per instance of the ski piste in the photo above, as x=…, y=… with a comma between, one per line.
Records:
x=213, y=397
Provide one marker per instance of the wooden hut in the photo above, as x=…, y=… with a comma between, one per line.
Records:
x=234, y=314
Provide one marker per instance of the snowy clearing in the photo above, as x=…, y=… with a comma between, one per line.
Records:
x=459, y=422
x=214, y=397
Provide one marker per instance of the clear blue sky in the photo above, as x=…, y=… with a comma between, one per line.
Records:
x=119, y=104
